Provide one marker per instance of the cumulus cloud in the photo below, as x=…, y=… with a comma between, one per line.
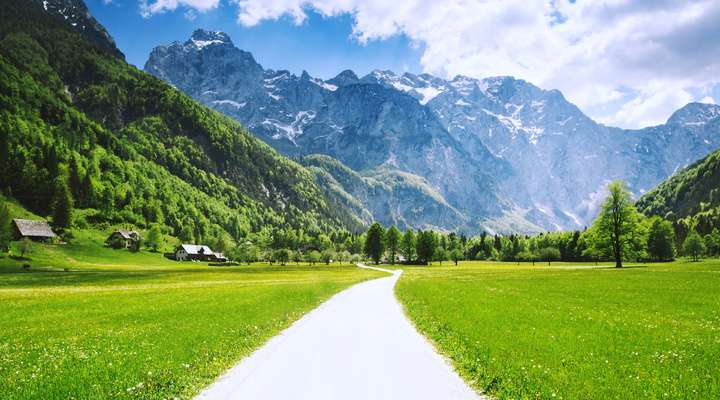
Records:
x=147, y=9
x=637, y=58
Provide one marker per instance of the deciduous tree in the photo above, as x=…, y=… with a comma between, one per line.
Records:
x=661, y=240
x=549, y=254
x=154, y=239
x=456, y=255
x=617, y=230
x=693, y=245
x=313, y=257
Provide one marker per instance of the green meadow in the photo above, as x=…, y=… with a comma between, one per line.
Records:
x=88, y=322
x=574, y=332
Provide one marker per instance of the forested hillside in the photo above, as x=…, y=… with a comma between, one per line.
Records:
x=691, y=198
x=74, y=117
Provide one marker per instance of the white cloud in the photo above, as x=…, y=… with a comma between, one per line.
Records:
x=707, y=100
x=190, y=15
x=635, y=59
x=148, y=8
x=652, y=106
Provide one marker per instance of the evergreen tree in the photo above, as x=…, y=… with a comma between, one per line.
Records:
x=375, y=242
x=661, y=240
x=62, y=204
x=617, y=229
x=392, y=238
x=407, y=247
x=75, y=181
x=5, y=226
x=426, y=244
x=693, y=245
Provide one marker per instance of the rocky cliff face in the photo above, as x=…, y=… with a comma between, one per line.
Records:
x=76, y=14
x=501, y=153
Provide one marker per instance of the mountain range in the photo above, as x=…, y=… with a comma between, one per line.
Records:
x=496, y=154
x=129, y=148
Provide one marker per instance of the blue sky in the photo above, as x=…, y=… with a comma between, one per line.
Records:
x=322, y=46
x=626, y=63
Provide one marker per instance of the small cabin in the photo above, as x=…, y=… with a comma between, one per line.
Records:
x=195, y=252
x=36, y=230
x=123, y=239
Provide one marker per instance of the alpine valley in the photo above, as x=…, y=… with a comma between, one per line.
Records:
x=496, y=154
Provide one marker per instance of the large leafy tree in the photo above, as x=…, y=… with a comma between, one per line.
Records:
x=549, y=254
x=617, y=230
x=693, y=245
x=661, y=240
x=375, y=242
x=154, y=238
x=392, y=239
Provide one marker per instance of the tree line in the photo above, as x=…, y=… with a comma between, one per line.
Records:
x=619, y=233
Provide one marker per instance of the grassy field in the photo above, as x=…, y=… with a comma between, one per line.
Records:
x=123, y=325
x=521, y=332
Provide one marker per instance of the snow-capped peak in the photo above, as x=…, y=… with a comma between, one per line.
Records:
x=423, y=87
x=202, y=38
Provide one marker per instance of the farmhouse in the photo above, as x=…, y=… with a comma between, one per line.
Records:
x=36, y=230
x=194, y=252
x=123, y=239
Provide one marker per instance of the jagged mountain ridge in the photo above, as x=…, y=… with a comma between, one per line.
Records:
x=563, y=157
x=365, y=126
x=542, y=162
x=76, y=14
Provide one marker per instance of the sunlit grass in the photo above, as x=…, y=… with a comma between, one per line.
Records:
x=574, y=331
x=123, y=325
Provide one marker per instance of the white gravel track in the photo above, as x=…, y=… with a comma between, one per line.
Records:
x=356, y=345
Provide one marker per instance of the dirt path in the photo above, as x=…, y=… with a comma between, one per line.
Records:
x=357, y=345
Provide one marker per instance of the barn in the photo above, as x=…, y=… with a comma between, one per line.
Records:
x=37, y=230
x=123, y=239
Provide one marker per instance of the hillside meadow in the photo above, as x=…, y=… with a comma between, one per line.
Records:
x=136, y=325
x=573, y=331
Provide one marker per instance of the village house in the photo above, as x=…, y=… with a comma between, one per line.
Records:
x=194, y=252
x=123, y=239
x=36, y=230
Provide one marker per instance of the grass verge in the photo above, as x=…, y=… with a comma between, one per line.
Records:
x=574, y=332
x=123, y=325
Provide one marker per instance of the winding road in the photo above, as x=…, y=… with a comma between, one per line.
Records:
x=356, y=345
